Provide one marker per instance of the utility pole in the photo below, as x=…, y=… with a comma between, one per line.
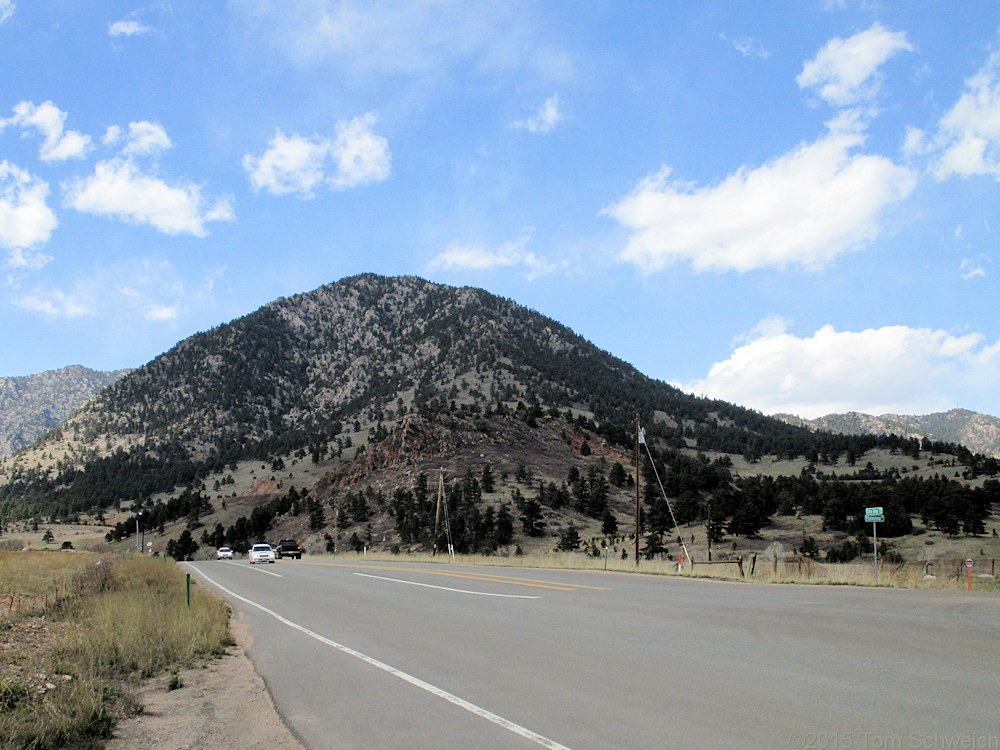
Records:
x=710, y=531
x=437, y=514
x=638, y=458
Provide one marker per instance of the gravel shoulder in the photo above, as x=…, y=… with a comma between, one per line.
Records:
x=223, y=704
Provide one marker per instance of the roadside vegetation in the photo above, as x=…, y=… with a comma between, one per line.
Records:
x=78, y=632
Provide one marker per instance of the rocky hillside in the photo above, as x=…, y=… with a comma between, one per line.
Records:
x=977, y=432
x=366, y=351
x=326, y=409
x=32, y=405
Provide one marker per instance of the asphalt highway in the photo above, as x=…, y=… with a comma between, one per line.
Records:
x=398, y=655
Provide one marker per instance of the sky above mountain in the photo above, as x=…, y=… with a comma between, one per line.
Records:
x=789, y=206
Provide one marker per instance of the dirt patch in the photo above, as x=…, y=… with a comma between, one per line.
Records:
x=223, y=704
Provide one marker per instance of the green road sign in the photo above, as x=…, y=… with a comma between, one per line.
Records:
x=873, y=518
x=877, y=511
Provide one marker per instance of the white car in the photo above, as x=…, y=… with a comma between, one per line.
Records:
x=224, y=553
x=261, y=553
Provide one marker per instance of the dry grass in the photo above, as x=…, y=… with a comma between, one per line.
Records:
x=67, y=667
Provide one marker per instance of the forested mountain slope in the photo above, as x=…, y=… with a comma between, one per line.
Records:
x=977, y=432
x=31, y=405
x=366, y=361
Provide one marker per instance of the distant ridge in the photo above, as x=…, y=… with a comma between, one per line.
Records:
x=977, y=432
x=31, y=405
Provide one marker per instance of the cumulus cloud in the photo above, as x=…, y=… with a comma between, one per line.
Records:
x=118, y=189
x=49, y=121
x=804, y=208
x=544, y=120
x=894, y=369
x=128, y=27
x=26, y=221
x=361, y=156
x=845, y=71
x=458, y=256
x=968, y=138
x=7, y=9
x=143, y=138
x=296, y=164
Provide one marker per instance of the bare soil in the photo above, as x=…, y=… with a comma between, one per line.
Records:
x=222, y=704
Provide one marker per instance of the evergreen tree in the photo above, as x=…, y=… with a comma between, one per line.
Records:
x=486, y=480
x=504, y=526
x=317, y=519
x=569, y=540
x=609, y=524
x=531, y=518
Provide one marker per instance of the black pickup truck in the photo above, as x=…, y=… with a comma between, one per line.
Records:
x=288, y=548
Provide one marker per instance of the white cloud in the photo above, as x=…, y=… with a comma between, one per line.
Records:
x=458, y=256
x=804, y=208
x=845, y=71
x=47, y=119
x=127, y=28
x=544, y=120
x=296, y=164
x=973, y=268
x=360, y=155
x=894, y=369
x=161, y=313
x=118, y=189
x=408, y=37
x=747, y=46
x=26, y=221
x=7, y=9
x=291, y=164
x=144, y=138
x=53, y=303
x=968, y=141
x=121, y=295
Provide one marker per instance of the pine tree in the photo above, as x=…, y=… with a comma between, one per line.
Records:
x=569, y=540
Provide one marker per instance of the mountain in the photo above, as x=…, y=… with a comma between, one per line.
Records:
x=335, y=408
x=31, y=405
x=364, y=352
x=977, y=432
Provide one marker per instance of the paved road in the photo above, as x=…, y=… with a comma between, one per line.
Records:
x=396, y=655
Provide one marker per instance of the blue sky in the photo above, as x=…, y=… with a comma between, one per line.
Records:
x=789, y=205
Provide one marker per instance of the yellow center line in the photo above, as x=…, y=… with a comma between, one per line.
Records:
x=528, y=582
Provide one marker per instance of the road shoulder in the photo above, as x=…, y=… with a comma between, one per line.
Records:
x=222, y=704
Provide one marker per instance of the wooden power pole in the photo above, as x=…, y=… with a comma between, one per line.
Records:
x=638, y=459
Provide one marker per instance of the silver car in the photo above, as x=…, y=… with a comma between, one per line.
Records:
x=261, y=553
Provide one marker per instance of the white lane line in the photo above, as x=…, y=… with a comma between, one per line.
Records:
x=261, y=570
x=415, y=681
x=445, y=588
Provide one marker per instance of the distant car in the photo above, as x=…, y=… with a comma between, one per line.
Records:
x=261, y=553
x=288, y=548
x=224, y=553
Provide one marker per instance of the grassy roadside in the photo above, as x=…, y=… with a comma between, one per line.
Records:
x=77, y=633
